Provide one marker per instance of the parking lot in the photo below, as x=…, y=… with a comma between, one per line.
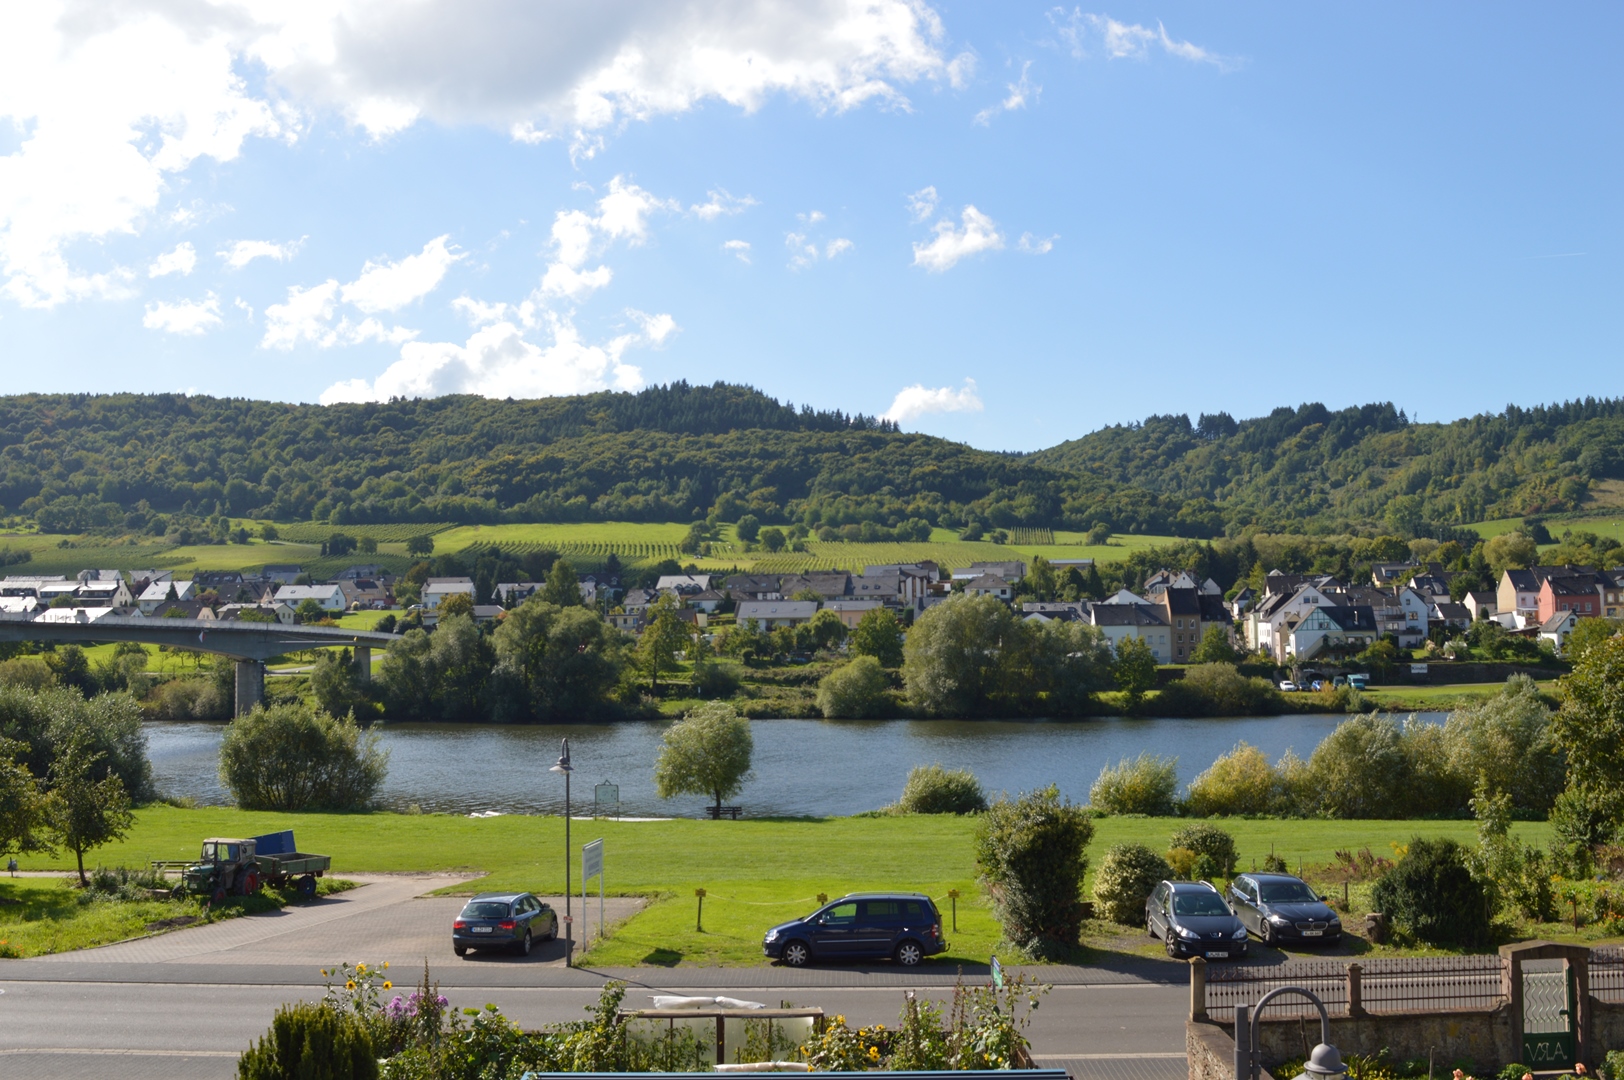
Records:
x=388, y=918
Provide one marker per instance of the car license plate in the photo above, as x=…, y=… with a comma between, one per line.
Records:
x=1219, y=955
x=482, y=929
x=1313, y=933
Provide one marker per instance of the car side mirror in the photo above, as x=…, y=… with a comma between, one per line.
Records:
x=1324, y=899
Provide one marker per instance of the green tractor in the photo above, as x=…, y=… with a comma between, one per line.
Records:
x=232, y=866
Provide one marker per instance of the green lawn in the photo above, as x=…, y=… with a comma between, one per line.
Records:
x=1438, y=698
x=39, y=916
x=755, y=872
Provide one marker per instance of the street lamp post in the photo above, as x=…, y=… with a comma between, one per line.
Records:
x=563, y=766
x=1324, y=1063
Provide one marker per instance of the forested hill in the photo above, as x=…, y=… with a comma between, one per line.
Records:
x=126, y=463
x=1368, y=464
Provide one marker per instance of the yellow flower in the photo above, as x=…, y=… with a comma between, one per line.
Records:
x=350, y=985
x=387, y=985
x=324, y=971
x=386, y=965
x=361, y=969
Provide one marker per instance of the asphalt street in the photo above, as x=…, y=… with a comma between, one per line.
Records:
x=185, y=1004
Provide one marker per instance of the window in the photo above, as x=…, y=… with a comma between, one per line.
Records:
x=841, y=913
x=883, y=909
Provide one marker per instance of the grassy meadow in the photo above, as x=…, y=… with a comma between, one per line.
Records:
x=755, y=872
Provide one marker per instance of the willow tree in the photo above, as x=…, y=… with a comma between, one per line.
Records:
x=705, y=753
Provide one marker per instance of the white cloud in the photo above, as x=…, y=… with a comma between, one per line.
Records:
x=1036, y=245
x=498, y=361
x=801, y=253
x=739, y=248
x=811, y=217
x=838, y=246
x=915, y=401
x=478, y=312
x=391, y=286
x=305, y=317
x=1019, y=92
x=720, y=203
x=182, y=261
x=623, y=214
x=189, y=317
x=117, y=102
x=952, y=243
x=112, y=103
x=243, y=252
x=922, y=203
x=1083, y=32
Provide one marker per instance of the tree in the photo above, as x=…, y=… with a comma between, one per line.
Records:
x=878, y=634
x=309, y=611
x=825, y=629
x=854, y=691
x=22, y=803
x=1588, y=633
x=1031, y=856
x=773, y=539
x=563, y=588
x=931, y=789
x=1215, y=648
x=444, y=676
x=1432, y=895
x=1134, y=669
x=953, y=661
x=1510, y=551
x=1145, y=785
x=293, y=757
x=83, y=813
x=664, y=639
x=268, y=532
x=337, y=687
x=339, y=544
x=1506, y=744
x=452, y=604
x=71, y=668
x=706, y=753
x=555, y=663
x=369, y=545
x=748, y=528
x=420, y=546
x=1589, y=728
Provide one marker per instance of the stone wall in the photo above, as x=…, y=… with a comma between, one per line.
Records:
x=1606, y=1028
x=1210, y=1052
x=1482, y=1037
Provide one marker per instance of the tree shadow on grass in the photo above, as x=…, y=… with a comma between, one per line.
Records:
x=662, y=958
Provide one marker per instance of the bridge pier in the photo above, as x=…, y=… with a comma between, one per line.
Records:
x=250, y=685
x=363, y=663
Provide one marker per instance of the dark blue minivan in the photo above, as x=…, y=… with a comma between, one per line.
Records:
x=904, y=926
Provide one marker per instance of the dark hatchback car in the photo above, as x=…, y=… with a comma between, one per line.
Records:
x=1280, y=908
x=904, y=926
x=503, y=921
x=1191, y=918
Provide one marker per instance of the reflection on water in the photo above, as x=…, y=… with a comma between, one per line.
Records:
x=802, y=767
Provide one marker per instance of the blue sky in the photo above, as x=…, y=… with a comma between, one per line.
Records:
x=1003, y=223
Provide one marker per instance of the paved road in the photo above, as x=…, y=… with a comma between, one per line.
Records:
x=184, y=1005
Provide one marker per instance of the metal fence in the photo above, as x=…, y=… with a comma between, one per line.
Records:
x=1420, y=984
x=1607, y=974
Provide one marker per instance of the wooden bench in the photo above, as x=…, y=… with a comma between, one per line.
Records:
x=716, y=813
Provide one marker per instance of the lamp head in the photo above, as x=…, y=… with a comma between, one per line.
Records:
x=563, y=765
x=1325, y=1063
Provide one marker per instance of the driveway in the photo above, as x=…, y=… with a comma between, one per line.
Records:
x=387, y=918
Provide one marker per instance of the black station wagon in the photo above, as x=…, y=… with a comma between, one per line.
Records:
x=904, y=926
x=1191, y=919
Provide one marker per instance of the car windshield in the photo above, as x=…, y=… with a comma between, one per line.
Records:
x=490, y=909
x=1198, y=903
x=1287, y=892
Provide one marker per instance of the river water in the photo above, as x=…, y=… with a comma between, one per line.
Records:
x=801, y=767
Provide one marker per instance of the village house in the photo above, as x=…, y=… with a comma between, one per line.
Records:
x=159, y=591
x=281, y=573
x=436, y=589
x=707, y=601
x=1270, y=622
x=1557, y=628
x=825, y=584
x=743, y=587
x=683, y=584
x=850, y=611
x=329, y=597
x=772, y=614
x=1481, y=603
x=990, y=585
x=1454, y=616
x=364, y=594
x=280, y=613
x=1041, y=611
x=1120, y=621
x=1332, y=629
x=1579, y=593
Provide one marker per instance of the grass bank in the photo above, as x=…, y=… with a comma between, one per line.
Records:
x=755, y=872
x=40, y=916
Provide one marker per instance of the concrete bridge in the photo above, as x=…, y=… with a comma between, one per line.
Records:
x=250, y=644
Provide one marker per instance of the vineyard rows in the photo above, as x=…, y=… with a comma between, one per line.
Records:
x=1036, y=537
x=311, y=533
x=591, y=549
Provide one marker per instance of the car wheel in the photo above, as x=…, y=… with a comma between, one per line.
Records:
x=909, y=954
x=307, y=887
x=524, y=946
x=1267, y=929
x=1150, y=927
x=797, y=954
x=460, y=950
x=552, y=930
x=1172, y=944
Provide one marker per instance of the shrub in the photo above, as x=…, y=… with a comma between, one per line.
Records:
x=106, y=728
x=932, y=789
x=1211, y=841
x=1125, y=878
x=1432, y=896
x=1031, y=855
x=1144, y=785
x=189, y=699
x=854, y=691
x=26, y=673
x=1240, y=782
x=311, y=1042
x=712, y=680
x=1219, y=690
x=295, y=757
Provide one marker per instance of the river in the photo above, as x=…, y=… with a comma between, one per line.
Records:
x=801, y=767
